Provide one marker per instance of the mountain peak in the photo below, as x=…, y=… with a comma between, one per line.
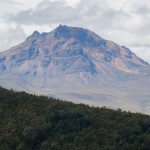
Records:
x=62, y=29
x=69, y=29
x=79, y=34
x=34, y=35
x=72, y=49
x=61, y=26
x=36, y=32
x=68, y=60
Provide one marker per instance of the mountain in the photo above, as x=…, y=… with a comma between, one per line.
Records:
x=77, y=64
x=29, y=122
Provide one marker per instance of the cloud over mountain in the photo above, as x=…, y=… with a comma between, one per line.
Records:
x=125, y=22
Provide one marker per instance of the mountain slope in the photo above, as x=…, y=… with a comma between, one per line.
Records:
x=76, y=63
x=67, y=49
x=30, y=122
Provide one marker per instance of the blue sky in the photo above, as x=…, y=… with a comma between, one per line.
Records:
x=124, y=22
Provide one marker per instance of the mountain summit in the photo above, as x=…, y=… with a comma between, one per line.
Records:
x=69, y=58
x=67, y=49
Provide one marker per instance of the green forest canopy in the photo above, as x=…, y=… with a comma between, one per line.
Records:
x=29, y=122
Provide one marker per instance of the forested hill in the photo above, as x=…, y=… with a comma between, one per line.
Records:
x=29, y=122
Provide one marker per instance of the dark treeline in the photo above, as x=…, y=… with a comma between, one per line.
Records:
x=29, y=122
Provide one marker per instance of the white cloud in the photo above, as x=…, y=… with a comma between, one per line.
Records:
x=29, y=3
x=125, y=22
x=73, y=3
x=11, y=37
x=143, y=52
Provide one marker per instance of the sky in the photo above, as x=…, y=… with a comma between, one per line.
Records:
x=126, y=22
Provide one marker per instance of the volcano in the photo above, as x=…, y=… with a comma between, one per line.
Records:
x=78, y=65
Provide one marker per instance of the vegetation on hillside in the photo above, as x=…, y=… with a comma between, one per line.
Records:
x=29, y=122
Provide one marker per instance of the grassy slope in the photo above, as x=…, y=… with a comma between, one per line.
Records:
x=29, y=122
